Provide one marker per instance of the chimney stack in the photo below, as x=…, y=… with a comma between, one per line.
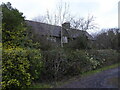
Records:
x=66, y=25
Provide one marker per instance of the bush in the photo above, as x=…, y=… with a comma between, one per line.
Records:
x=36, y=64
x=13, y=30
x=79, y=61
x=59, y=64
x=105, y=57
x=80, y=43
x=21, y=55
x=45, y=43
x=15, y=69
x=20, y=66
x=54, y=64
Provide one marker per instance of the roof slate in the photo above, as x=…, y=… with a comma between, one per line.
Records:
x=44, y=29
x=52, y=30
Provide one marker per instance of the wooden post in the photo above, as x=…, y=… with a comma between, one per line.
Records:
x=61, y=37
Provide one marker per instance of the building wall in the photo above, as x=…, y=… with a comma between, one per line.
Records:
x=58, y=40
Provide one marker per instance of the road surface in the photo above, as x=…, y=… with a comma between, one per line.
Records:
x=98, y=80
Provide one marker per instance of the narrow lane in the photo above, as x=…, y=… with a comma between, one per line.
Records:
x=98, y=80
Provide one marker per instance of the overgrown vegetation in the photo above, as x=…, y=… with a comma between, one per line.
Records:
x=81, y=42
x=28, y=59
x=108, y=39
x=59, y=64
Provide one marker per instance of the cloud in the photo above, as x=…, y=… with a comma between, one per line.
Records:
x=105, y=11
x=32, y=8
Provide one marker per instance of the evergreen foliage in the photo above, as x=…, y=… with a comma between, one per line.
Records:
x=21, y=56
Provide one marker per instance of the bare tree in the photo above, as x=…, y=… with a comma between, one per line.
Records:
x=62, y=14
x=84, y=24
x=40, y=18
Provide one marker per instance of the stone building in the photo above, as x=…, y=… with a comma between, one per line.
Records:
x=57, y=33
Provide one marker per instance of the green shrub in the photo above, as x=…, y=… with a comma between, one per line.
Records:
x=79, y=61
x=45, y=44
x=20, y=67
x=21, y=55
x=80, y=43
x=60, y=64
x=54, y=64
x=13, y=29
x=36, y=64
x=105, y=57
x=15, y=68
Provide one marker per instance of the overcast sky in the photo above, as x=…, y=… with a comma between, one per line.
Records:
x=105, y=11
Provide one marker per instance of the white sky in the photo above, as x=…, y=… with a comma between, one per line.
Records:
x=105, y=11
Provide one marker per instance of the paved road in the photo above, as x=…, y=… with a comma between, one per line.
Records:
x=98, y=80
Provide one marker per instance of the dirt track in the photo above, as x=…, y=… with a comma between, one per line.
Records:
x=98, y=80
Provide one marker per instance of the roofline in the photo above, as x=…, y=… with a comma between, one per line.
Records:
x=42, y=23
x=58, y=26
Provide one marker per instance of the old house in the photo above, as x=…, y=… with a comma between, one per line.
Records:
x=54, y=33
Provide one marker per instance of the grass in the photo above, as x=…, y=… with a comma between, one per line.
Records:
x=101, y=69
x=62, y=82
x=40, y=85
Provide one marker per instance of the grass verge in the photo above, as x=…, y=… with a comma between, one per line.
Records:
x=40, y=85
x=101, y=69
